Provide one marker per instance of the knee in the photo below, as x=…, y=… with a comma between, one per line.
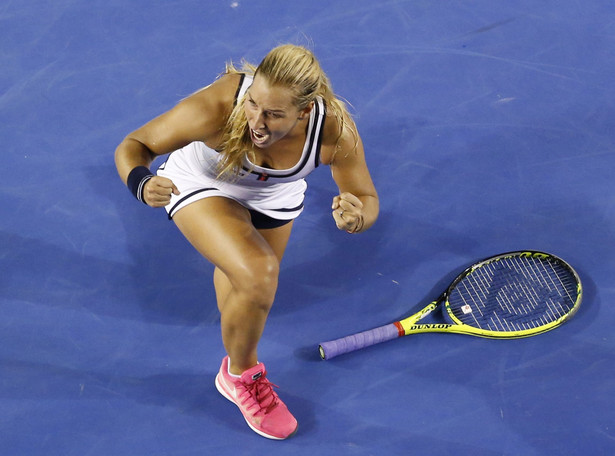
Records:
x=257, y=280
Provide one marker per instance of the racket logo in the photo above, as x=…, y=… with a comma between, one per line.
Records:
x=430, y=326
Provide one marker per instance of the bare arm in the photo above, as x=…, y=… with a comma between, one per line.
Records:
x=200, y=117
x=357, y=206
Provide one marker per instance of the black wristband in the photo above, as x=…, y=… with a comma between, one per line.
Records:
x=137, y=179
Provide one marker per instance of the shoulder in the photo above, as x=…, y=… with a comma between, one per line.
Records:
x=204, y=114
x=216, y=98
x=339, y=134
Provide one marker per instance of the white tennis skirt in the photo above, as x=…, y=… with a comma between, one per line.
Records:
x=193, y=170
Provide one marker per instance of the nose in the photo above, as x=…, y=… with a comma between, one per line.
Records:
x=259, y=120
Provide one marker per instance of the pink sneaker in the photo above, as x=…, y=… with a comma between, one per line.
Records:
x=261, y=407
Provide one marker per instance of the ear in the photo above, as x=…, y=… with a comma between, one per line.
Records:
x=305, y=112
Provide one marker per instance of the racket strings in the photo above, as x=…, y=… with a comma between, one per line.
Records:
x=514, y=294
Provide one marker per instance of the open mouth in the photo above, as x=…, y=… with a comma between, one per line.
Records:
x=258, y=138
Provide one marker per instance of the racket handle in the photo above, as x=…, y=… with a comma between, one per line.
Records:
x=357, y=341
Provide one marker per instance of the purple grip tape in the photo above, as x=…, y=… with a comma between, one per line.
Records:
x=363, y=339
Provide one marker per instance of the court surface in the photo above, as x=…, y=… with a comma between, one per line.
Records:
x=488, y=127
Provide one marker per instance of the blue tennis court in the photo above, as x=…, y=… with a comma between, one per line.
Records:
x=488, y=127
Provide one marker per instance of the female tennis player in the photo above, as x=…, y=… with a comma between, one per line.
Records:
x=239, y=150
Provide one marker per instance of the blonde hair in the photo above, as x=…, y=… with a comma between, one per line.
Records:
x=291, y=66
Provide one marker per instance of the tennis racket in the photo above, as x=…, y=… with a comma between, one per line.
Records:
x=507, y=296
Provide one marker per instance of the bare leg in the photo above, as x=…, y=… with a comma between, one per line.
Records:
x=277, y=238
x=247, y=267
